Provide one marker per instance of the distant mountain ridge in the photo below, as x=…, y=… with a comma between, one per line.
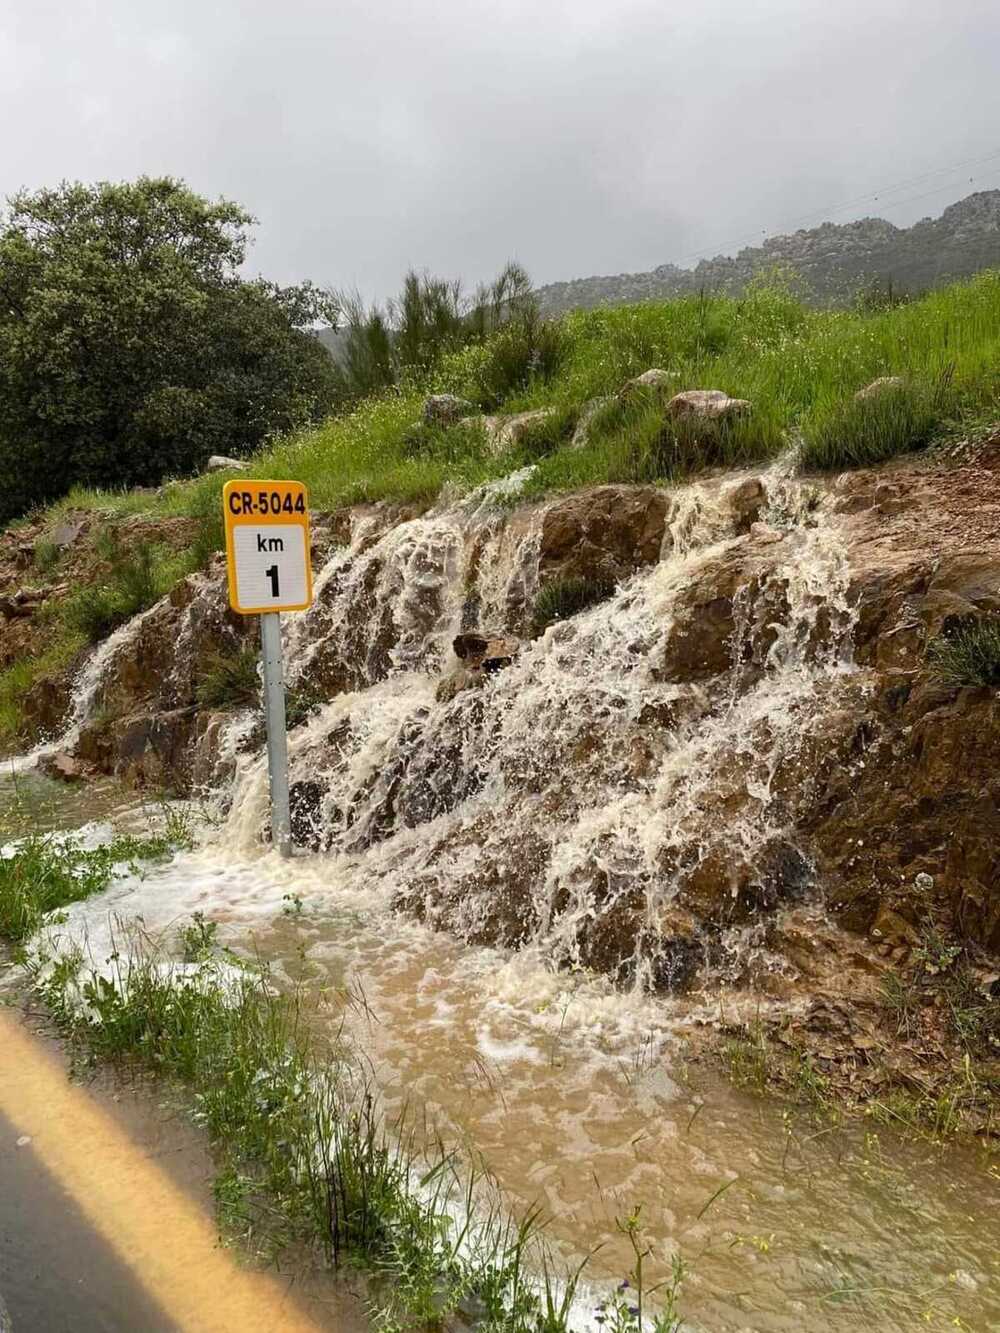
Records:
x=834, y=261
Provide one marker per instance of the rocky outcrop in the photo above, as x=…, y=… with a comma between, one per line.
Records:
x=445, y=409
x=832, y=262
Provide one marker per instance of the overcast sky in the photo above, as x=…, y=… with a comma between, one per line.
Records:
x=579, y=136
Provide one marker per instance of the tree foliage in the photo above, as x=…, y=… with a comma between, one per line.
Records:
x=131, y=348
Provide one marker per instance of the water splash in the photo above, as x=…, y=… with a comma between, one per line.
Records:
x=86, y=691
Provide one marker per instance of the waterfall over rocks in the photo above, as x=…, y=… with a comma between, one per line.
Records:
x=626, y=790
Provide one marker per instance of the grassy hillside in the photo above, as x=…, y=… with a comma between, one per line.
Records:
x=800, y=369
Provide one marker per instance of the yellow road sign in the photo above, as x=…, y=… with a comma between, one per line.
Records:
x=267, y=546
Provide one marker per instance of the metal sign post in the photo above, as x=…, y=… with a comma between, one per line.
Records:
x=277, y=736
x=267, y=550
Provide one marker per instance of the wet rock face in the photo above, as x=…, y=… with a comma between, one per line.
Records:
x=149, y=751
x=913, y=830
x=305, y=805
x=603, y=534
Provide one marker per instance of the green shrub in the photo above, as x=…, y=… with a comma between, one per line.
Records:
x=17, y=680
x=863, y=432
x=230, y=680
x=968, y=653
x=210, y=532
x=301, y=701
x=524, y=351
x=46, y=556
x=559, y=599
x=133, y=582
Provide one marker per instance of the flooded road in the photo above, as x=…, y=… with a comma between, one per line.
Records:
x=585, y=1100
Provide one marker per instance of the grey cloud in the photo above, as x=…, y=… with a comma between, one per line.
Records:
x=579, y=137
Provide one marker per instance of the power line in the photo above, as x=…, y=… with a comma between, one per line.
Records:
x=824, y=213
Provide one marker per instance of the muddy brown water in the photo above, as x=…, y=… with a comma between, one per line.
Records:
x=588, y=1102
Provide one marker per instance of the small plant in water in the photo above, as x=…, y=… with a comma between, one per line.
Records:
x=562, y=598
x=197, y=938
x=627, y=1310
x=230, y=680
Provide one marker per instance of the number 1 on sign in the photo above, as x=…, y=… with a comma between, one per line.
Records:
x=272, y=574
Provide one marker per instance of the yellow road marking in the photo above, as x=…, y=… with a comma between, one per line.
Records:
x=163, y=1237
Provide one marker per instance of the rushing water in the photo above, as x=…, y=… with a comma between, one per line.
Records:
x=556, y=822
x=584, y=1099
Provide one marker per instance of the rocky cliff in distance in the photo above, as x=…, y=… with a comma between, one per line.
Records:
x=834, y=261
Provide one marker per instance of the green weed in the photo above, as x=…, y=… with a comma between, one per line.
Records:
x=968, y=653
x=559, y=599
x=230, y=680
x=301, y=701
x=45, y=873
x=749, y=1058
x=197, y=938
x=138, y=575
x=46, y=556
x=17, y=680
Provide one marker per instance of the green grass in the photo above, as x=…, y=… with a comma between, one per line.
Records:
x=45, y=873
x=969, y=654
x=137, y=575
x=230, y=680
x=864, y=432
x=559, y=599
x=19, y=678
x=800, y=369
x=46, y=556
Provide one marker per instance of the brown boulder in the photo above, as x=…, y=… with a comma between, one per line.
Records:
x=152, y=751
x=603, y=534
x=64, y=766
